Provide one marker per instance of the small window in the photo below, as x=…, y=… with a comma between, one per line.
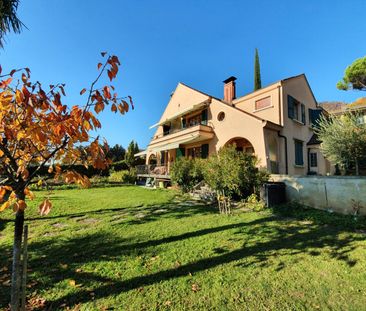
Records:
x=313, y=159
x=296, y=110
x=299, y=155
x=263, y=103
x=221, y=116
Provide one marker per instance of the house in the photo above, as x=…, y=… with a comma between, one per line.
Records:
x=275, y=123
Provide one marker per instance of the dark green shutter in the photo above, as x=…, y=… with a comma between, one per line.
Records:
x=290, y=106
x=204, y=117
x=314, y=116
x=180, y=152
x=204, y=151
x=183, y=123
x=303, y=116
x=299, y=155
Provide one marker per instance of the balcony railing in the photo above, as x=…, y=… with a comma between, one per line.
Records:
x=152, y=170
x=177, y=130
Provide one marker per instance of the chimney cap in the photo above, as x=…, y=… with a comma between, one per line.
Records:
x=232, y=78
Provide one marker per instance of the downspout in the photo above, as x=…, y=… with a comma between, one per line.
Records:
x=308, y=154
x=286, y=159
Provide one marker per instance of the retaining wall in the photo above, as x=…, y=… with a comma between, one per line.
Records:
x=341, y=194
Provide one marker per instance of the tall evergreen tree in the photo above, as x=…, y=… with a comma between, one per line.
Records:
x=132, y=149
x=257, y=72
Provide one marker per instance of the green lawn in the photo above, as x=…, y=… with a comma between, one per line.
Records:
x=128, y=248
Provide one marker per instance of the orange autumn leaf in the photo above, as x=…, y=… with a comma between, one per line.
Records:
x=45, y=207
x=4, y=206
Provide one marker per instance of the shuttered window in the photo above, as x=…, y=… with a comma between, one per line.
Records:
x=299, y=154
x=314, y=116
x=296, y=110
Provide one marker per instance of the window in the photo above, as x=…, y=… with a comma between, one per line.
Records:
x=296, y=110
x=263, y=103
x=221, y=116
x=194, y=152
x=314, y=116
x=163, y=154
x=299, y=156
x=313, y=159
x=198, y=152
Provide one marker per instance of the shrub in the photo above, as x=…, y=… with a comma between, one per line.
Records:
x=186, y=173
x=254, y=203
x=125, y=177
x=234, y=173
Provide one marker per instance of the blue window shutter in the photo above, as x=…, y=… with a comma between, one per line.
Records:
x=314, y=116
x=299, y=155
x=204, y=151
x=290, y=106
x=303, y=116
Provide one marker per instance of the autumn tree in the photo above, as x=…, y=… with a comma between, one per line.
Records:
x=37, y=129
x=354, y=76
x=9, y=20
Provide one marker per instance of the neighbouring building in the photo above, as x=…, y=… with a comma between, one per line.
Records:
x=275, y=123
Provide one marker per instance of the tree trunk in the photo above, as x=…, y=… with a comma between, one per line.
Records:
x=17, y=249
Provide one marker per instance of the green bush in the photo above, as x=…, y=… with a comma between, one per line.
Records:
x=186, y=173
x=234, y=174
x=254, y=203
x=125, y=177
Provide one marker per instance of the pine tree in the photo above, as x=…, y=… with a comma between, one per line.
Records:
x=257, y=72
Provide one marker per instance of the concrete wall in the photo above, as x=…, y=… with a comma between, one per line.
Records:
x=334, y=193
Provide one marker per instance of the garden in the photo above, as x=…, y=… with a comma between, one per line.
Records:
x=132, y=248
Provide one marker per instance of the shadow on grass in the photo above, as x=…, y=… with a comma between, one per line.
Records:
x=263, y=239
x=141, y=213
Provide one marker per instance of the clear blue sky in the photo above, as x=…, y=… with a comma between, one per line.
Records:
x=198, y=42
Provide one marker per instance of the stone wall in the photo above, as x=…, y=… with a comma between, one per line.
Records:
x=341, y=194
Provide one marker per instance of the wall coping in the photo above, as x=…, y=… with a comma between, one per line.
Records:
x=317, y=176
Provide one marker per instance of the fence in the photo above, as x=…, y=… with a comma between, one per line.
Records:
x=340, y=194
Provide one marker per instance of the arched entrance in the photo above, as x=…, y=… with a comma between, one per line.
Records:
x=241, y=144
x=152, y=159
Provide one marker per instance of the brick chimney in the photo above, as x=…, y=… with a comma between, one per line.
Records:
x=229, y=89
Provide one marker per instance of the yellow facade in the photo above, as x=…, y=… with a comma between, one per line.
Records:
x=196, y=124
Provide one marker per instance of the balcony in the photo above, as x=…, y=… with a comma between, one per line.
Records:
x=190, y=134
x=158, y=171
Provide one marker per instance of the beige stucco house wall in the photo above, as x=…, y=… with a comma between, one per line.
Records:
x=197, y=124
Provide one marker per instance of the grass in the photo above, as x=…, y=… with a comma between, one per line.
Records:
x=129, y=248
